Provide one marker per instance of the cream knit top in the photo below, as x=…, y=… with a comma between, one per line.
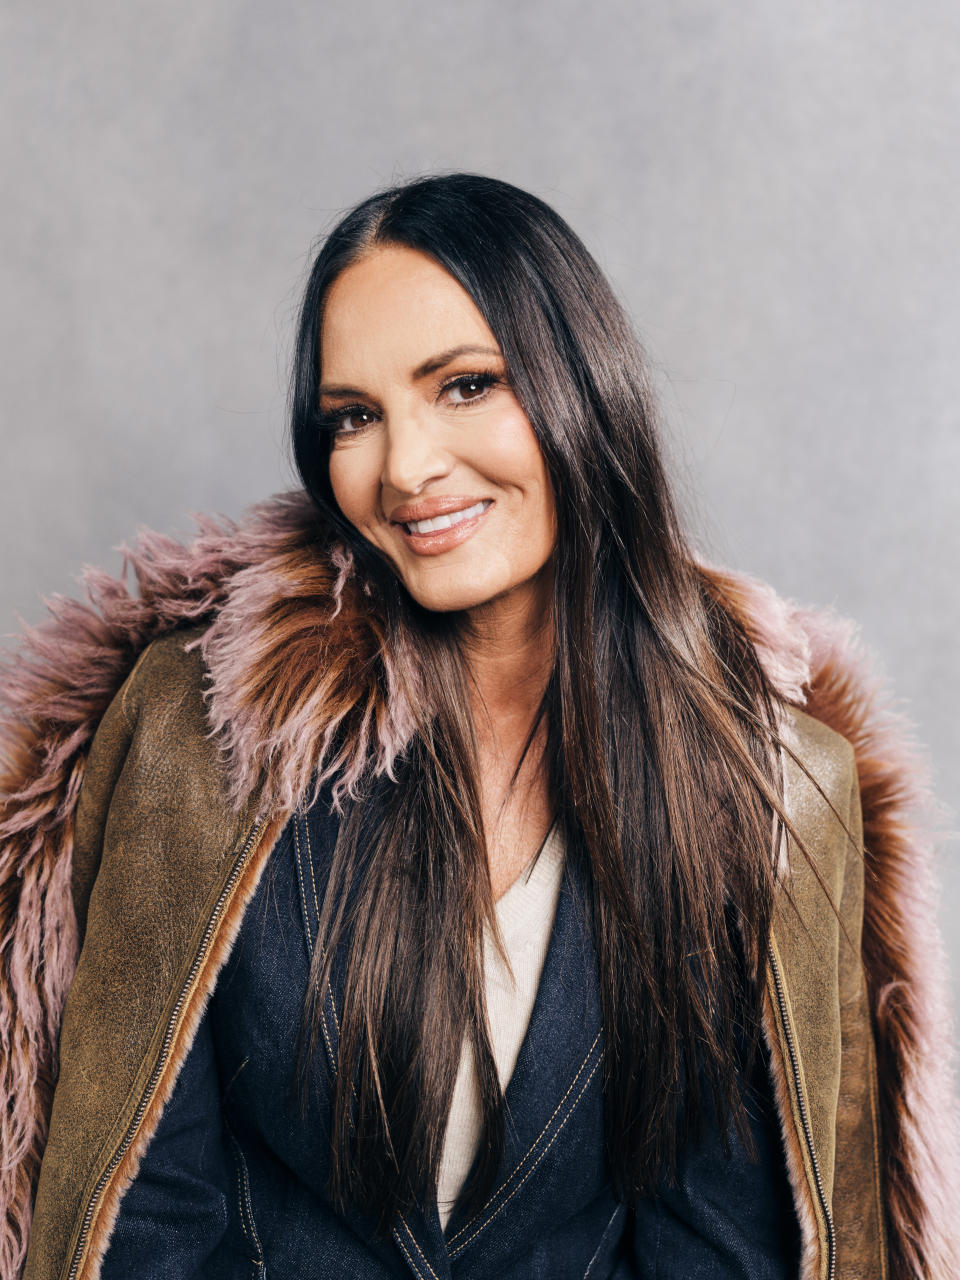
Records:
x=525, y=917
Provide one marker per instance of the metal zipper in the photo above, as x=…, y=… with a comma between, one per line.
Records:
x=804, y=1117
x=145, y=1098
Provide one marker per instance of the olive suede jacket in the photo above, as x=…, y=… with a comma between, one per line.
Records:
x=153, y=750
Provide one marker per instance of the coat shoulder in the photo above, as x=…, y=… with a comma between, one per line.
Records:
x=826, y=753
x=153, y=755
x=157, y=711
x=168, y=675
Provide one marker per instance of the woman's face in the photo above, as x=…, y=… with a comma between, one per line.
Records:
x=433, y=460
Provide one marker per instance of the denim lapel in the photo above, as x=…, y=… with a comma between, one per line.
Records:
x=555, y=1086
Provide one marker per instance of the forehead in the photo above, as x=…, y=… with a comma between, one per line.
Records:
x=395, y=305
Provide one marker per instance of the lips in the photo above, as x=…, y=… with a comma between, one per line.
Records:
x=429, y=508
x=445, y=521
x=431, y=534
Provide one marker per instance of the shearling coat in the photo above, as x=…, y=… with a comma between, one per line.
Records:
x=195, y=718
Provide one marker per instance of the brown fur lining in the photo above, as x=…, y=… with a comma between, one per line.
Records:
x=810, y=1250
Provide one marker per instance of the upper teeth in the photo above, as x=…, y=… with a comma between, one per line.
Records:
x=445, y=522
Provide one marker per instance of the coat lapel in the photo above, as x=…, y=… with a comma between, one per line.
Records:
x=555, y=1091
x=556, y=1076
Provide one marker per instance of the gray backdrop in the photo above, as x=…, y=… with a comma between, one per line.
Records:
x=772, y=189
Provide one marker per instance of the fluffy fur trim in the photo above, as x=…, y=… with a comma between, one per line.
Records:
x=906, y=966
x=306, y=684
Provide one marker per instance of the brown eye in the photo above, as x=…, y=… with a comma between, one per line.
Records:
x=349, y=421
x=471, y=386
x=344, y=424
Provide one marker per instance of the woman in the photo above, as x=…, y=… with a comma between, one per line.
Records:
x=465, y=880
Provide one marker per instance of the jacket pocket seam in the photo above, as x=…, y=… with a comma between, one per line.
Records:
x=244, y=1203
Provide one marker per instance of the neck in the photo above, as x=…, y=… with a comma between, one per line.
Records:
x=509, y=647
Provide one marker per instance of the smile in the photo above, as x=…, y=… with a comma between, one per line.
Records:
x=441, y=533
x=446, y=522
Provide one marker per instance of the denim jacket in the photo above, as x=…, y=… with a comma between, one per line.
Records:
x=232, y=1184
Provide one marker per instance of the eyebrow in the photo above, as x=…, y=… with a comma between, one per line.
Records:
x=421, y=371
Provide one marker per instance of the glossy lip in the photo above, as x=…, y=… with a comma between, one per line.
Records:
x=430, y=507
x=440, y=540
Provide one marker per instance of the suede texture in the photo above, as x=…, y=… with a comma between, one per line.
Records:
x=817, y=928
x=156, y=844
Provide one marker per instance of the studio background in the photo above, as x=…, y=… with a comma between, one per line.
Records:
x=772, y=190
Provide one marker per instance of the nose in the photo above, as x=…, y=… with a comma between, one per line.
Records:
x=414, y=455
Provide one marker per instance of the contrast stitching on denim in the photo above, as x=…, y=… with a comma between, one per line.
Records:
x=316, y=903
x=245, y=1188
x=413, y=1240
x=243, y=1198
x=303, y=891
x=333, y=1003
x=413, y=1266
x=530, y=1150
x=306, y=915
x=573, y=1106
x=603, y=1236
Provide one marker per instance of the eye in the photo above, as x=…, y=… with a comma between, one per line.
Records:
x=354, y=419
x=471, y=386
x=338, y=423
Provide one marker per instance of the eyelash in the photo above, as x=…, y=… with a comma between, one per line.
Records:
x=332, y=421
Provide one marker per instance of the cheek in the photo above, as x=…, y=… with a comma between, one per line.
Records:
x=504, y=449
x=354, y=479
x=513, y=458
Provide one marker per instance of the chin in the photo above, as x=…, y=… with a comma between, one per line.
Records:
x=452, y=597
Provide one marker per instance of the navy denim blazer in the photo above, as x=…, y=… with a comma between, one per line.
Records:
x=232, y=1183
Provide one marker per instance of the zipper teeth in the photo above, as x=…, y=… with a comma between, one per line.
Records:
x=164, y=1050
x=804, y=1117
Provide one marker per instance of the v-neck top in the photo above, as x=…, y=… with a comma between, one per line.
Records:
x=524, y=916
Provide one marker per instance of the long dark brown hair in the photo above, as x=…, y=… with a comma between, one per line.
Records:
x=660, y=734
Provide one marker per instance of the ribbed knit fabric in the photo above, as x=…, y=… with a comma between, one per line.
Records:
x=525, y=917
